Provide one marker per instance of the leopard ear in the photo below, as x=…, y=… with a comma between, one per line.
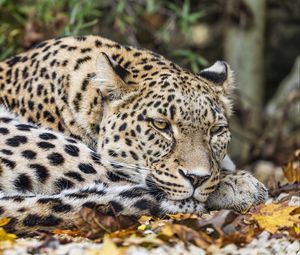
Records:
x=220, y=74
x=112, y=78
x=222, y=78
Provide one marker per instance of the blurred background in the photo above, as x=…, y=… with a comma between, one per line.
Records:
x=260, y=39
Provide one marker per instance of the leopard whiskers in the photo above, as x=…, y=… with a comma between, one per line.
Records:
x=117, y=164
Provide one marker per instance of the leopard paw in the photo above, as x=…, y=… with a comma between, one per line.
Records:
x=237, y=191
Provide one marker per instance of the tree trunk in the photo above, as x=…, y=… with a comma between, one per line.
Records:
x=244, y=47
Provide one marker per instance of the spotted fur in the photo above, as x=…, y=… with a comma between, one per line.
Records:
x=93, y=112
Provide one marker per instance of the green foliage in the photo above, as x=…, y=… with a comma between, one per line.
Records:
x=191, y=59
x=153, y=23
x=79, y=13
x=184, y=16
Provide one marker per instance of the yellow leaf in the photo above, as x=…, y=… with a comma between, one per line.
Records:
x=183, y=216
x=167, y=230
x=145, y=219
x=185, y=234
x=272, y=217
x=123, y=233
x=66, y=232
x=297, y=230
x=4, y=221
x=4, y=236
x=142, y=227
x=108, y=248
x=148, y=240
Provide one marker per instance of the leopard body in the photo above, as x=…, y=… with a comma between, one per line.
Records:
x=86, y=121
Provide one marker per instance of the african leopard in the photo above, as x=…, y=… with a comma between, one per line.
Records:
x=90, y=122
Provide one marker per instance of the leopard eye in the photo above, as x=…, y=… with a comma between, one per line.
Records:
x=160, y=124
x=218, y=129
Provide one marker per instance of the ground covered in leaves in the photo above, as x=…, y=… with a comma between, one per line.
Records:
x=270, y=228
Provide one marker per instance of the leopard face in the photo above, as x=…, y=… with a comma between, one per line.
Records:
x=173, y=127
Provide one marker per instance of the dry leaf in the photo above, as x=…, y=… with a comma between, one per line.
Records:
x=4, y=221
x=182, y=216
x=237, y=238
x=186, y=234
x=67, y=232
x=218, y=221
x=273, y=217
x=4, y=236
x=142, y=227
x=147, y=241
x=291, y=188
x=122, y=233
x=145, y=219
x=295, y=231
x=108, y=248
x=292, y=170
x=97, y=222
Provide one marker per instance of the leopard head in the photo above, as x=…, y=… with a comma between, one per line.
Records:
x=170, y=126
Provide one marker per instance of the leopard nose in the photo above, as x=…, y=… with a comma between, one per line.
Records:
x=196, y=179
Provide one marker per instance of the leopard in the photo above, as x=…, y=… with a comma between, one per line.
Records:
x=88, y=122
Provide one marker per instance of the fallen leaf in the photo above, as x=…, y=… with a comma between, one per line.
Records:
x=96, y=222
x=142, y=227
x=4, y=236
x=67, y=232
x=167, y=230
x=292, y=170
x=291, y=188
x=186, y=235
x=123, y=233
x=183, y=216
x=297, y=230
x=236, y=238
x=217, y=221
x=273, y=217
x=108, y=248
x=145, y=219
x=149, y=241
x=4, y=221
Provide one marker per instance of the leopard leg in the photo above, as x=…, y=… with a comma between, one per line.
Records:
x=238, y=191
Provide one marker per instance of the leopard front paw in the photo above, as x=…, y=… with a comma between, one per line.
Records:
x=237, y=191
